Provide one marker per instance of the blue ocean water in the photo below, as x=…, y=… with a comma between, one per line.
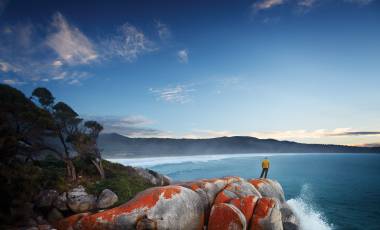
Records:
x=329, y=191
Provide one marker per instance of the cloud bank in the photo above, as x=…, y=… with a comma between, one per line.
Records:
x=299, y=5
x=131, y=126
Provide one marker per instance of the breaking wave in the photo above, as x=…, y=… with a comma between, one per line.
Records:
x=153, y=161
x=310, y=217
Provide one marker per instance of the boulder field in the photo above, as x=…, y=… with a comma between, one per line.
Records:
x=222, y=203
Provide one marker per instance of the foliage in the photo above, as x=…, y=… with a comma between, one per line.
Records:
x=22, y=125
x=123, y=180
x=26, y=125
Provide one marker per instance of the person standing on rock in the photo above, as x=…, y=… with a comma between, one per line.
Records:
x=265, y=166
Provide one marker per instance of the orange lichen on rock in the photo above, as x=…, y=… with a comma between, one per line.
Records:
x=262, y=210
x=256, y=182
x=226, y=216
x=232, y=179
x=142, y=201
x=246, y=205
x=221, y=203
x=224, y=197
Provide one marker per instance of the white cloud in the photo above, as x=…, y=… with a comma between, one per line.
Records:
x=74, y=82
x=183, y=56
x=60, y=51
x=60, y=75
x=299, y=134
x=201, y=134
x=128, y=43
x=71, y=45
x=177, y=94
x=135, y=120
x=306, y=3
x=267, y=4
x=6, y=67
x=360, y=2
x=57, y=63
x=163, y=31
x=13, y=82
x=71, y=77
x=301, y=6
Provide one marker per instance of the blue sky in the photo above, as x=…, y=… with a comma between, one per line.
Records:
x=303, y=70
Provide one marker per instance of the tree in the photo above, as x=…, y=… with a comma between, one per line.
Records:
x=22, y=125
x=65, y=121
x=44, y=96
x=85, y=143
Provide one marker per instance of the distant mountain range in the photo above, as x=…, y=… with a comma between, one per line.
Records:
x=114, y=145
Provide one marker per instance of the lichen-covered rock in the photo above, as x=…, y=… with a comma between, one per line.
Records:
x=106, y=199
x=208, y=189
x=222, y=203
x=46, y=198
x=246, y=205
x=170, y=207
x=226, y=217
x=269, y=188
x=154, y=177
x=61, y=202
x=267, y=215
x=235, y=190
x=78, y=200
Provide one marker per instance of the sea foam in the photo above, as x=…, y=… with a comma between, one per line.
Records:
x=153, y=161
x=310, y=217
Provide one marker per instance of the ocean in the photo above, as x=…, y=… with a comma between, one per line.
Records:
x=327, y=191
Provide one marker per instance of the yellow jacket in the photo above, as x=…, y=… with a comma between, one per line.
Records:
x=265, y=164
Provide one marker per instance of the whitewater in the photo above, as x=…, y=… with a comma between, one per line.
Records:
x=303, y=205
x=154, y=161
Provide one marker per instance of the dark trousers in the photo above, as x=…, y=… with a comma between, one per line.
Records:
x=265, y=171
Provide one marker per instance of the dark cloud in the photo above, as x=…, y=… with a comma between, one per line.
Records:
x=131, y=126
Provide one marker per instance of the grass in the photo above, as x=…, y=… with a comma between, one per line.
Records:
x=122, y=180
x=22, y=182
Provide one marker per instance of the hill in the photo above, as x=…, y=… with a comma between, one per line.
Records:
x=115, y=145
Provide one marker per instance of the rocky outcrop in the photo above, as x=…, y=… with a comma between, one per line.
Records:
x=222, y=203
x=61, y=202
x=153, y=177
x=46, y=198
x=106, y=199
x=78, y=200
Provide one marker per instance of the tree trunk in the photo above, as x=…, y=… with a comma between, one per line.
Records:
x=70, y=168
x=99, y=166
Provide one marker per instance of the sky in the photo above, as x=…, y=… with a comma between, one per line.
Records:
x=300, y=70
